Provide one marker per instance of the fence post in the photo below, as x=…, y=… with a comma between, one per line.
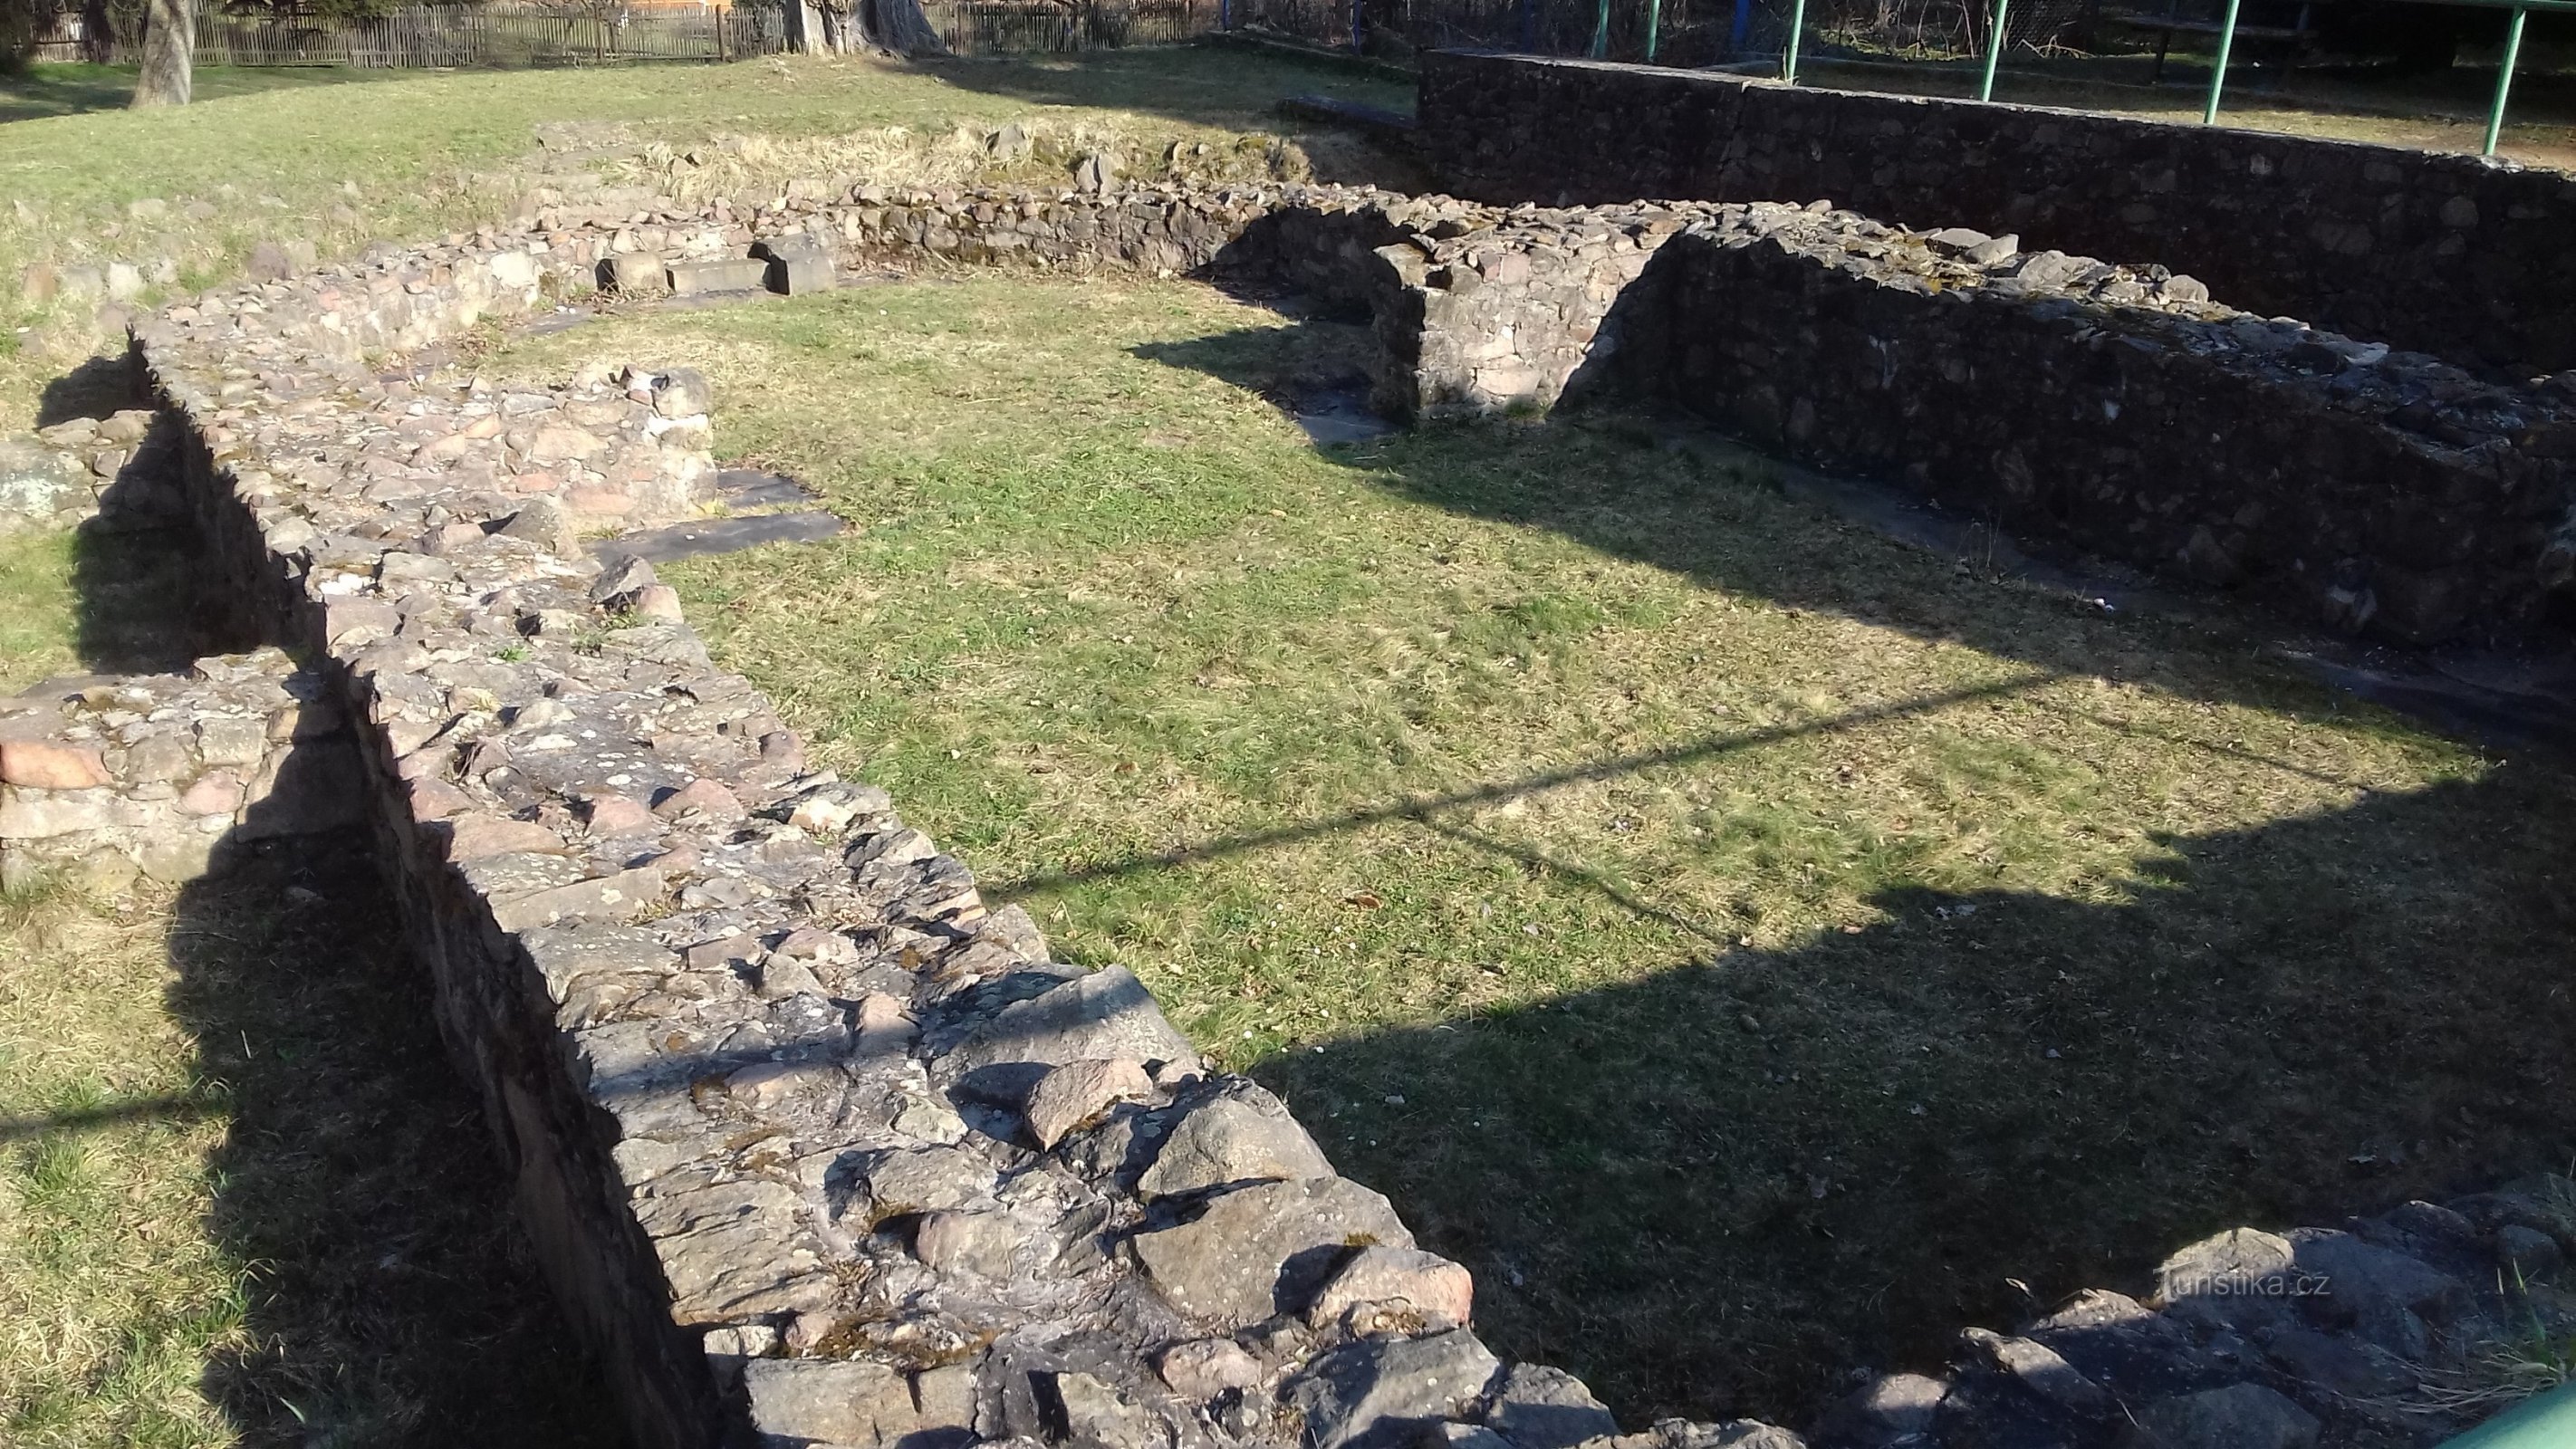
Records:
x=2504, y=80
x=1601, y=32
x=2218, y=72
x=1789, y=57
x=1994, y=52
x=1654, y=23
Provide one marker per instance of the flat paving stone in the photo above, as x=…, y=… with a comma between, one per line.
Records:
x=752, y=488
x=720, y=535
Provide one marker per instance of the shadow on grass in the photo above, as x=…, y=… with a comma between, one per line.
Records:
x=1717, y=1188
x=1714, y=1189
x=1697, y=513
x=147, y=601
x=392, y=1296
x=394, y=1299
x=76, y=88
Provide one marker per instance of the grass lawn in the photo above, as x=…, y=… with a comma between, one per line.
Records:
x=405, y=158
x=240, y=1198
x=1750, y=944
x=72, y=89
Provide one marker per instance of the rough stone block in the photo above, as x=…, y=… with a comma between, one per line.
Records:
x=1261, y=1250
x=636, y=274
x=1382, y=1393
x=728, y=274
x=1241, y=1134
x=798, y=264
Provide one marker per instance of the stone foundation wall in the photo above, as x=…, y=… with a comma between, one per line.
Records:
x=2116, y=408
x=2449, y=254
x=818, y=1146
x=107, y=778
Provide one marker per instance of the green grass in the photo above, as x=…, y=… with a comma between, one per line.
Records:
x=38, y=611
x=72, y=89
x=1750, y=944
x=233, y=1204
x=405, y=158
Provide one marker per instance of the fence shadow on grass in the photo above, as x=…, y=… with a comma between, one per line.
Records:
x=1711, y=1189
x=393, y=1298
x=1715, y=1187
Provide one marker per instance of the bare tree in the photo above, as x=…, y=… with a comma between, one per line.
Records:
x=169, y=54
x=894, y=27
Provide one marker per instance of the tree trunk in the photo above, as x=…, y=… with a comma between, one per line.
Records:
x=804, y=27
x=898, y=26
x=98, y=33
x=169, y=53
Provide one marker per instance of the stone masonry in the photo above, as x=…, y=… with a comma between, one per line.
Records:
x=108, y=778
x=818, y=1146
x=2120, y=408
x=2459, y=256
x=2117, y=408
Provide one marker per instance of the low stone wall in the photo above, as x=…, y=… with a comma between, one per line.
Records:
x=2117, y=408
x=816, y=1147
x=106, y=778
x=64, y=475
x=2257, y=1340
x=820, y=1148
x=2449, y=254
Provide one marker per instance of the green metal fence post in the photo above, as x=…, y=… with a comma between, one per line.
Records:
x=1789, y=58
x=2504, y=79
x=2218, y=72
x=1655, y=23
x=1994, y=53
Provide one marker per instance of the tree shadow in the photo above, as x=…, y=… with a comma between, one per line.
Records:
x=72, y=89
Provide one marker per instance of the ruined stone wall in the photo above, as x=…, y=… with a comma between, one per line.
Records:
x=2116, y=408
x=109, y=778
x=816, y=1147
x=2450, y=254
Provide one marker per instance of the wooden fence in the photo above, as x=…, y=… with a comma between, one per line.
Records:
x=1022, y=27
x=435, y=36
